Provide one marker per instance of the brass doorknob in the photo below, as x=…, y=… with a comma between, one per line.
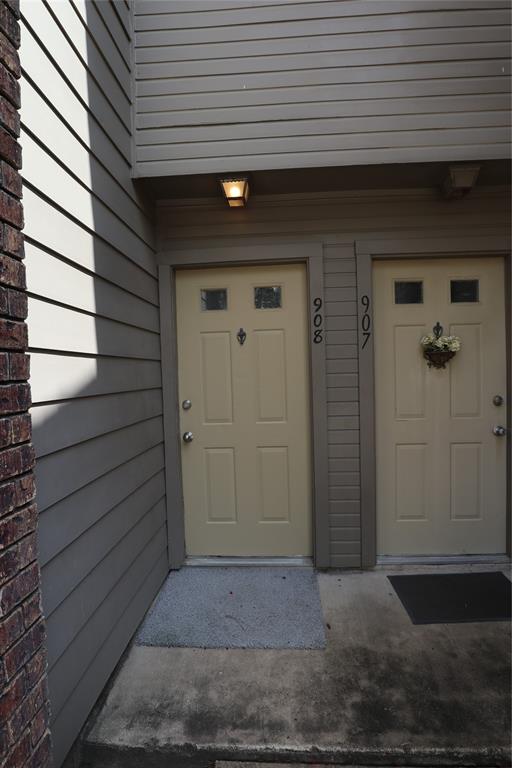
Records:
x=499, y=431
x=188, y=437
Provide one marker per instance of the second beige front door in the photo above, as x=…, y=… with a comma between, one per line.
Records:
x=243, y=368
x=441, y=470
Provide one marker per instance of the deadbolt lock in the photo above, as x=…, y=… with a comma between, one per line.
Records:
x=498, y=400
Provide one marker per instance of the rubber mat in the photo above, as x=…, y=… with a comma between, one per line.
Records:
x=448, y=598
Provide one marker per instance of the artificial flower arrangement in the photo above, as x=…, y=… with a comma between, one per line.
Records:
x=439, y=349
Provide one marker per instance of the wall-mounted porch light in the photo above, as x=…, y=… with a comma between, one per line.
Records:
x=236, y=190
x=460, y=180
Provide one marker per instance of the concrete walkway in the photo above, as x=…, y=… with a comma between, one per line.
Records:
x=384, y=692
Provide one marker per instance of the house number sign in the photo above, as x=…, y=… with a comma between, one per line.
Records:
x=366, y=321
x=318, y=321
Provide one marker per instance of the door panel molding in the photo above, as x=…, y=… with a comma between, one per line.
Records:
x=312, y=255
x=366, y=253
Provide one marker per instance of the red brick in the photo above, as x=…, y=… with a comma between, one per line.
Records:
x=9, y=86
x=11, y=628
x=15, y=429
x=17, y=557
x=20, y=653
x=32, y=609
x=21, y=428
x=15, y=527
x=18, y=588
x=13, y=243
x=11, y=210
x=12, y=272
x=19, y=754
x=9, y=564
x=12, y=697
x=5, y=432
x=9, y=24
x=25, y=492
x=4, y=366
x=27, y=550
x=13, y=399
x=11, y=178
x=3, y=743
x=10, y=151
x=4, y=301
x=41, y=757
x=7, y=502
x=19, y=366
x=9, y=56
x=38, y=695
x=36, y=668
x=13, y=334
x=16, y=461
x=14, y=5
x=13, y=494
x=9, y=116
x=19, y=720
x=17, y=304
x=39, y=724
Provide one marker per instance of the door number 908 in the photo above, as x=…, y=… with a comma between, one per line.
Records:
x=318, y=321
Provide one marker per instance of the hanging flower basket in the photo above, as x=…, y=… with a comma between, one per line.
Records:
x=438, y=350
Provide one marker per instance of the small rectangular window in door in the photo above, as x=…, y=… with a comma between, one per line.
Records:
x=408, y=292
x=464, y=291
x=267, y=297
x=214, y=299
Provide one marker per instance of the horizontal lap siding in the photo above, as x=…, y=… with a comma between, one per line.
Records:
x=270, y=85
x=338, y=221
x=95, y=349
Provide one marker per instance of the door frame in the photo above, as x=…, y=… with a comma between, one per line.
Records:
x=310, y=254
x=366, y=252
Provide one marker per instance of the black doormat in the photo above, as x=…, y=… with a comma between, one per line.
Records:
x=448, y=598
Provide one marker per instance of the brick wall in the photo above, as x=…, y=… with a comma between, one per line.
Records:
x=24, y=707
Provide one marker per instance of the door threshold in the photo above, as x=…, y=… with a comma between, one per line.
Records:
x=249, y=561
x=384, y=560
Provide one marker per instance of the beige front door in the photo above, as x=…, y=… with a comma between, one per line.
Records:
x=246, y=471
x=441, y=472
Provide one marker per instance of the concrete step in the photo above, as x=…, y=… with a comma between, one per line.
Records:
x=383, y=693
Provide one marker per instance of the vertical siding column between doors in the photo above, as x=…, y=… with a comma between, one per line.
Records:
x=309, y=253
x=366, y=252
x=342, y=406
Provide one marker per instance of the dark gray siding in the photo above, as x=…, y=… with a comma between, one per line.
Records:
x=338, y=221
x=247, y=85
x=95, y=349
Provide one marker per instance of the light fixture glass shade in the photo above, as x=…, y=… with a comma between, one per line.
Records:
x=236, y=190
x=463, y=176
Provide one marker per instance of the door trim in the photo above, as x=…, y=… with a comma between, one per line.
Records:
x=366, y=253
x=310, y=254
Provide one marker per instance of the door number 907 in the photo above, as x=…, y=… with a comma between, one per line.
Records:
x=366, y=321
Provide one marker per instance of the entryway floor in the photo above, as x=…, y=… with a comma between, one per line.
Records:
x=383, y=692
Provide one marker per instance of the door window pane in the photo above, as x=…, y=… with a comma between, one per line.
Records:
x=267, y=297
x=463, y=291
x=408, y=292
x=214, y=298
